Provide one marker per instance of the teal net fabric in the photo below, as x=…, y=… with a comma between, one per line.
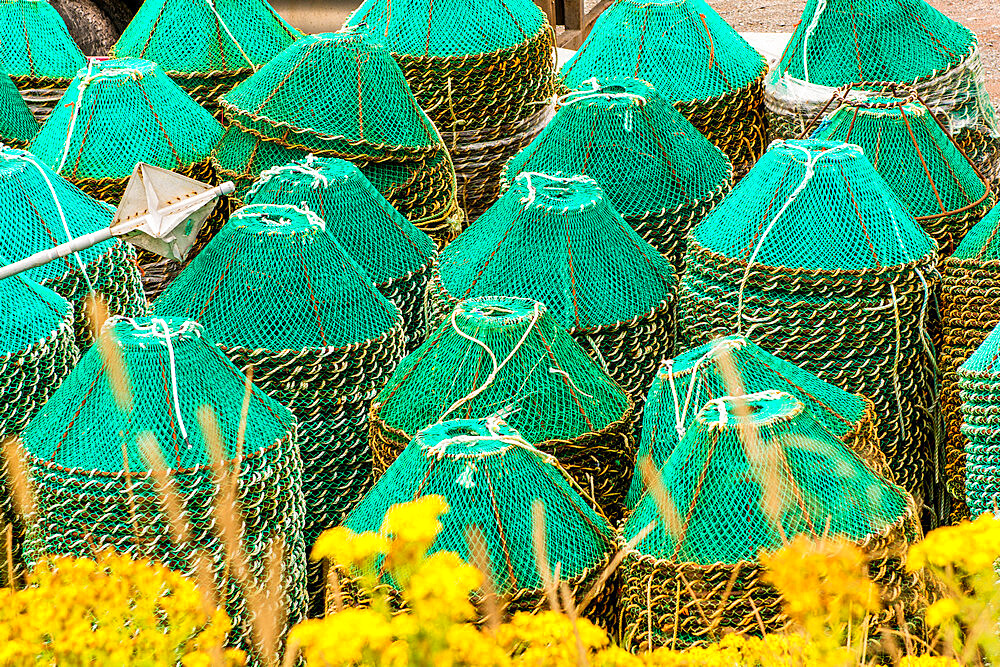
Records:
x=17, y=124
x=684, y=384
x=491, y=477
x=654, y=167
x=35, y=41
x=979, y=389
x=92, y=474
x=548, y=389
x=815, y=259
x=43, y=210
x=120, y=112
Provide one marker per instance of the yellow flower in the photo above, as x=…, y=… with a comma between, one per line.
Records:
x=417, y=521
x=344, y=547
x=440, y=588
x=941, y=611
x=969, y=546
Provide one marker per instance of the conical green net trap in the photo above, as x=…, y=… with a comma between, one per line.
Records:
x=392, y=251
x=970, y=310
x=749, y=474
x=120, y=112
x=693, y=58
x=42, y=210
x=342, y=95
x=734, y=365
x=546, y=388
x=654, y=167
x=912, y=151
x=558, y=240
x=37, y=51
x=483, y=71
x=838, y=42
x=815, y=259
x=17, y=124
x=277, y=292
x=37, y=350
x=206, y=46
x=490, y=478
x=92, y=450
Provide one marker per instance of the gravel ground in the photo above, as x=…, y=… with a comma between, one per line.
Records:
x=744, y=15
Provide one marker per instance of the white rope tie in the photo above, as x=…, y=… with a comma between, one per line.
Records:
x=211, y=5
x=596, y=91
x=820, y=8
x=527, y=177
x=255, y=211
x=81, y=87
x=305, y=167
x=154, y=330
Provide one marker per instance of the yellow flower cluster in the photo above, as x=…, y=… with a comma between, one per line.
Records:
x=114, y=610
x=971, y=546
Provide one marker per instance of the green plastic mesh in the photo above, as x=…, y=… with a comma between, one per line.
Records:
x=686, y=383
x=366, y=106
x=205, y=37
x=17, y=124
x=854, y=221
x=274, y=279
x=490, y=477
x=979, y=384
x=682, y=47
x=35, y=41
x=91, y=475
x=370, y=230
x=278, y=293
x=982, y=242
x=655, y=168
x=120, y=112
x=742, y=484
x=816, y=260
x=35, y=312
x=918, y=160
x=450, y=27
x=42, y=210
x=558, y=240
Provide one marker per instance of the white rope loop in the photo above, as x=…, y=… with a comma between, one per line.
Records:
x=236, y=43
x=529, y=176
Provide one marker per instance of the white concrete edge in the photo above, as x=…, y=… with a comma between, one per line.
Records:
x=769, y=44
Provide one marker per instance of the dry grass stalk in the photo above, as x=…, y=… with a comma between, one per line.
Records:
x=570, y=607
x=164, y=485
x=111, y=354
x=489, y=606
x=17, y=473
x=541, y=555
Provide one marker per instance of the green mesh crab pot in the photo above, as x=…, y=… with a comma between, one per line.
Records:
x=366, y=114
x=206, y=47
x=912, y=151
x=277, y=292
x=37, y=52
x=17, y=124
x=484, y=73
x=970, y=310
x=839, y=42
x=491, y=477
x=815, y=259
x=42, y=210
x=979, y=388
x=91, y=456
x=558, y=240
x=396, y=255
x=737, y=495
x=121, y=112
x=735, y=365
x=655, y=168
x=694, y=59
x=547, y=389
x=37, y=350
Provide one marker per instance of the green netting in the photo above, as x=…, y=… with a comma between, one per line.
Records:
x=42, y=210
x=816, y=260
x=919, y=161
x=92, y=479
x=206, y=37
x=686, y=383
x=491, y=477
x=278, y=293
x=242, y=157
x=365, y=105
x=274, y=279
x=449, y=27
x=979, y=384
x=558, y=240
x=842, y=41
x=742, y=484
x=853, y=219
x=33, y=312
x=506, y=356
x=35, y=41
x=982, y=242
x=120, y=112
x=682, y=47
x=17, y=124
x=370, y=230
x=655, y=168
